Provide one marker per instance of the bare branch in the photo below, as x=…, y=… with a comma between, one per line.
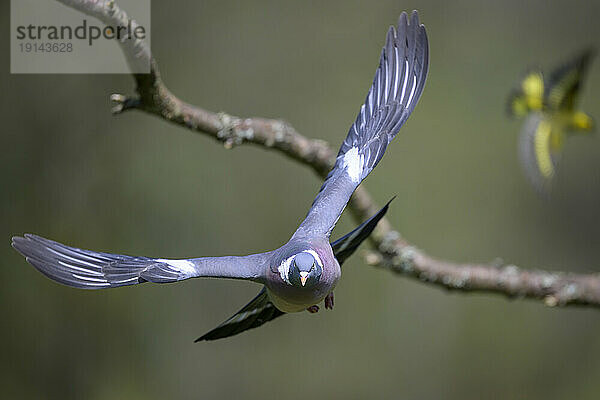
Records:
x=392, y=252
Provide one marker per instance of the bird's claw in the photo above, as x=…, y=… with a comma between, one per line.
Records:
x=313, y=309
x=329, y=301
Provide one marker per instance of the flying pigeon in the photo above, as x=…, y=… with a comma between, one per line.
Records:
x=304, y=271
x=549, y=105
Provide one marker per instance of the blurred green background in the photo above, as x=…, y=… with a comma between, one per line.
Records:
x=134, y=184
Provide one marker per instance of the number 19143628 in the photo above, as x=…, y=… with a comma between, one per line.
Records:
x=46, y=47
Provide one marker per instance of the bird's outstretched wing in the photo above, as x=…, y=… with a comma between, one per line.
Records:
x=260, y=309
x=94, y=270
x=345, y=246
x=396, y=89
x=565, y=82
x=539, y=148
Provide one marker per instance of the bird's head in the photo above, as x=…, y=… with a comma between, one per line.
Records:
x=305, y=270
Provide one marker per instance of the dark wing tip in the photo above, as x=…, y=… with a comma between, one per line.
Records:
x=585, y=59
x=387, y=205
x=210, y=336
x=587, y=54
x=579, y=61
x=345, y=246
x=385, y=208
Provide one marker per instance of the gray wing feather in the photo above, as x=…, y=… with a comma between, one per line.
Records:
x=396, y=89
x=95, y=270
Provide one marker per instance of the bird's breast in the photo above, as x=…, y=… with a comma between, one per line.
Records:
x=286, y=306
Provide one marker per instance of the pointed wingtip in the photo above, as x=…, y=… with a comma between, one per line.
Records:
x=206, y=337
x=387, y=205
x=588, y=52
x=587, y=55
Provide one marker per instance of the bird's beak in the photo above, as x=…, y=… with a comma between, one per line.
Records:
x=303, y=277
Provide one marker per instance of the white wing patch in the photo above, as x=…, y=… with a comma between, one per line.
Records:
x=353, y=163
x=186, y=267
x=284, y=269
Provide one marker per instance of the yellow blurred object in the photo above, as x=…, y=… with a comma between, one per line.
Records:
x=530, y=97
x=582, y=122
x=549, y=105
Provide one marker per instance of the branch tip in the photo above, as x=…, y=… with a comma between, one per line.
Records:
x=123, y=103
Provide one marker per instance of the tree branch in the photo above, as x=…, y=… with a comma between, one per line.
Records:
x=392, y=251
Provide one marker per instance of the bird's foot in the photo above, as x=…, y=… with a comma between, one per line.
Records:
x=313, y=309
x=329, y=301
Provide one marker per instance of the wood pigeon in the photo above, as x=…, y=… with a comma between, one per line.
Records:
x=304, y=271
